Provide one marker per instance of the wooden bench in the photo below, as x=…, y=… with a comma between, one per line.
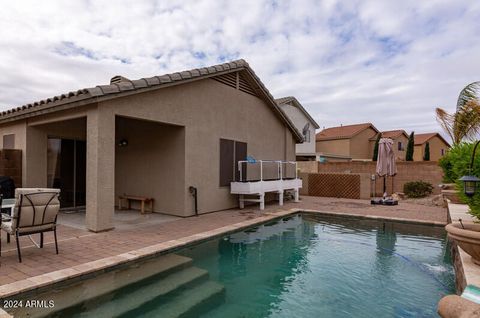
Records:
x=130, y=198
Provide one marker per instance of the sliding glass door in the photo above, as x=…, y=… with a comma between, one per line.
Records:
x=66, y=170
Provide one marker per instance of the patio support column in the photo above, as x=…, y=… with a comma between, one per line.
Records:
x=100, y=206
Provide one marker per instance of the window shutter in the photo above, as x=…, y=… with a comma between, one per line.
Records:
x=226, y=161
x=240, y=154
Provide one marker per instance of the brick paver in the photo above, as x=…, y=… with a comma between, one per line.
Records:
x=80, y=246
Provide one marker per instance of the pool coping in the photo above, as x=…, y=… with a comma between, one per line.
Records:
x=74, y=274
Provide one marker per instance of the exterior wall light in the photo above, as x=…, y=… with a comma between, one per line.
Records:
x=123, y=142
x=470, y=182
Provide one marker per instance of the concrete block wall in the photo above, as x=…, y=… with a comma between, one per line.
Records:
x=336, y=185
x=407, y=171
x=307, y=166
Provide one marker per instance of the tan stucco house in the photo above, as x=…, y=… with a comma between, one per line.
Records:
x=304, y=123
x=345, y=142
x=152, y=137
x=438, y=146
x=400, y=140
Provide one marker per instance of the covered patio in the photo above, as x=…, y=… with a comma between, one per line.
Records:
x=94, y=164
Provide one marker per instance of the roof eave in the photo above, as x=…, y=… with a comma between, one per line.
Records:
x=240, y=65
x=302, y=109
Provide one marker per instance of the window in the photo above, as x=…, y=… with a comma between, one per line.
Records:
x=306, y=135
x=442, y=151
x=231, y=152
x=400, y=146
x=9, y=141
x=306, y=132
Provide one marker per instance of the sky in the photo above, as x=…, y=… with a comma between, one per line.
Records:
x=386, y=62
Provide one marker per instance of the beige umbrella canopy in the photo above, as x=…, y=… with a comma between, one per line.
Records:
x=386, y=158
x=386, y=162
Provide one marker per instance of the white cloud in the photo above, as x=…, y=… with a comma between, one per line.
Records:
x=388, y=62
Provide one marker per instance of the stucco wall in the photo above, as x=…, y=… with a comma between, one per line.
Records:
x=37, y=136
x=436, y=146
x=300, y=120
x=209, y=111
x=360, y=144
x=418, y=153
x=400, y=154
x=337, y=147
x=31, y=138
x=152, y=164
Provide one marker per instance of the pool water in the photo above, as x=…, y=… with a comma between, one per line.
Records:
x=305, y=265
x=311, y=266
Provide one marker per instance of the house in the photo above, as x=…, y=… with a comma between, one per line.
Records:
x=438, y=146
x=345, y=142
x=304, y=123
x=400, y=141
x=154, y=137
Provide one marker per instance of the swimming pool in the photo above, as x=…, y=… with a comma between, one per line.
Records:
x=314, y=266
x=301, y=266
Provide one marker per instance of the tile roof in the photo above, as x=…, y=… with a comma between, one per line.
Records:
x=343, y=132
x=292, y=99
x=393, y=133
x=120, y=85
x=420, y=139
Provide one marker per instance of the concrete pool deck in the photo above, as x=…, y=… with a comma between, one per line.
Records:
x=83, y=252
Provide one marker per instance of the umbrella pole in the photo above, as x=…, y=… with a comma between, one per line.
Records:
x=384, y=186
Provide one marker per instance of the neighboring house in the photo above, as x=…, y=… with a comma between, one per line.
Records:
x=400, y=140
x=153, y=137
x=304, y=123
x=351, y=141
x=438, y=146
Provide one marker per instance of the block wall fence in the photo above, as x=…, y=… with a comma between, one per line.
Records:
x=407, y=171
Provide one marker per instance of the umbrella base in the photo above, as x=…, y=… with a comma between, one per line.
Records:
x=388, y=201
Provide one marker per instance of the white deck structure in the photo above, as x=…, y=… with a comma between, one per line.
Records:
x=258, y=187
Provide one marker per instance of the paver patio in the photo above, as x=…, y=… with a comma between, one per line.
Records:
x=79, y=246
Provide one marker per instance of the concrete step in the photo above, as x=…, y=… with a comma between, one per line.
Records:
x=190, y=303
x=139, y=294
x=103, y=285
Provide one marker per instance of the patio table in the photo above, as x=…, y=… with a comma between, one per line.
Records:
x=8, y=204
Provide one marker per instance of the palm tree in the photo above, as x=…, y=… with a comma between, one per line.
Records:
x=465, y=122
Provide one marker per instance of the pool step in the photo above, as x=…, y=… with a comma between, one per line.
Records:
x=104, y=284
x=188, y=304
x=141, y=294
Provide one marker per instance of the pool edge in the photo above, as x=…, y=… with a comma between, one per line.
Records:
x=40, y=283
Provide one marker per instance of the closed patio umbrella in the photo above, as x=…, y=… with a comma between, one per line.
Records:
x=386, y=161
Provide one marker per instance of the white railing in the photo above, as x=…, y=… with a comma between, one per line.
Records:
x=262, y=163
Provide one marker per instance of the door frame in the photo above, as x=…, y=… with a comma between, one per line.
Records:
x=75, y=207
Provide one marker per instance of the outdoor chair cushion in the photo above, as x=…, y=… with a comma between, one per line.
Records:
x=35, y=209
x=7, y=227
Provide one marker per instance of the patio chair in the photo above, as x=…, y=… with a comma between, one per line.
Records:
x=35, y=211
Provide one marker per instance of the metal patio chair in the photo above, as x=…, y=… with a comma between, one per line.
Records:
x=35, y=211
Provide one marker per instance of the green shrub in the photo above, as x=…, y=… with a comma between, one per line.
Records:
x=417, y=189
x=410, y=147
x=456, y=161
x=426, y=156
x=455, y=164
